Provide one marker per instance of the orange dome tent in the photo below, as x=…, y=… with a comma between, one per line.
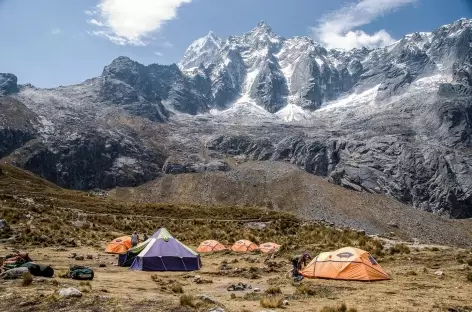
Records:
x=210, y=246
x=345, y=264
x=269, y=247
x=119, y=245
x=244, y=246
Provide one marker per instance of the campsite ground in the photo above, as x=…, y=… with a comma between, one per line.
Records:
x=43, y=217
x=414, y=285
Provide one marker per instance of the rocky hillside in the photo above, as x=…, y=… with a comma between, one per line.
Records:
x=280, y=186
x=393, y=121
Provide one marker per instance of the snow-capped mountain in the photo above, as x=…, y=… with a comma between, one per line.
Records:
x=273, y=72
x=394, y=121
x=201, y=51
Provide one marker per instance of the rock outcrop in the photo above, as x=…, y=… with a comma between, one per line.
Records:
x=17, y=125
x=8, y=84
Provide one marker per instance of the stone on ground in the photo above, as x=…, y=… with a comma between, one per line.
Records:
x=69, y=292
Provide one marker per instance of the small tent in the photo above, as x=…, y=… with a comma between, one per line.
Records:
x=269, y=247
x=210, y=246
x=119, y=245
x=244, y=246
x=345, y=264
x=165, y=253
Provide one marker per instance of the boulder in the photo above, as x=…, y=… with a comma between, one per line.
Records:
x=80, y=258
x=70, y=242
x=256, y=225
x=70, y=292
x=207, y=299
x=217, y=310
x=439, y=274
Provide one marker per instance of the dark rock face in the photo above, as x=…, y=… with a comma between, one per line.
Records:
x=270, y=88
x=8, y=84
x=17, y=125
x=91, y=160
x=228, y=77
x=141, y=89
x=173, y=167
x=423, y=177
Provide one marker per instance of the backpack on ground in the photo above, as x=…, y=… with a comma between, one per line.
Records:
x=81, y=273
x=33, y=268
x=46, y=271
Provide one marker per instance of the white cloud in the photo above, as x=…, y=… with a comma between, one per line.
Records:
x=56, y=31
x=128, y=22
x=338, y=29
x=158, y=53
x=95, y=22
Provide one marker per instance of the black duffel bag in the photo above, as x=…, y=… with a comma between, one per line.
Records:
x=46, y=271
x=33, y=268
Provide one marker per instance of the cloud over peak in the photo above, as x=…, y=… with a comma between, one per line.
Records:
x=128, y=22
x=338, y=29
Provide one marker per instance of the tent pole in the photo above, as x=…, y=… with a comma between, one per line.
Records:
x=163, y=263
x=183, y=263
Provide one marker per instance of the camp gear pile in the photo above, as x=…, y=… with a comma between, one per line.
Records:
x=80, y=273
x=16, y=264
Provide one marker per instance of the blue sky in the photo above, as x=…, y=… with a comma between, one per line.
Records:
x=60, y=42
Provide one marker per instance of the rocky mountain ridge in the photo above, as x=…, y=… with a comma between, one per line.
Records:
x=394, y=121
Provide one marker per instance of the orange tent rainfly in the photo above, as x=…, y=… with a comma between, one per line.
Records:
x=244, y=246
x=269, y=247
x=345, y=264
x=119, y=245
x=210, y=246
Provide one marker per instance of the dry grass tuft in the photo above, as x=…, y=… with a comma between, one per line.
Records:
x=26, y=279
x=399, y=249
x=177, y=288
x=187, y=301
x=311, y=290
x=273, y=291
x=341, y=308
x=272, y=302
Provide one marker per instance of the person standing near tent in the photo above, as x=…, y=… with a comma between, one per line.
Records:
x=299, y=262
x=134, y=239
x=145, y=237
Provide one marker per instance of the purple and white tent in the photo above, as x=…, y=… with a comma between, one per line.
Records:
x=165, y=253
